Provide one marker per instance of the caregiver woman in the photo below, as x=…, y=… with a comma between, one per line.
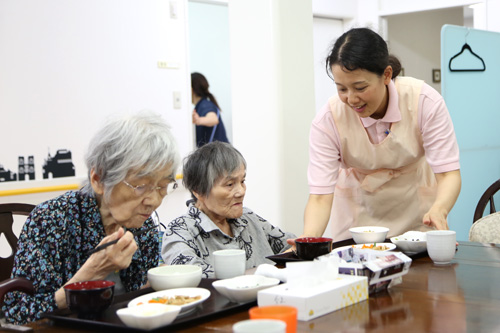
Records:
x=383, y=152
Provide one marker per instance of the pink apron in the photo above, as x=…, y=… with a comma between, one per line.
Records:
x=386, y=184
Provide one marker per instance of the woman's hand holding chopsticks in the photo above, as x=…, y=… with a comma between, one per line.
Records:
x=101, y=263
x=114, y=257
x=111, y=258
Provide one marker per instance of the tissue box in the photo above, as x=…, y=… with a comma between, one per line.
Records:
x=379, y=267
x=317, y=300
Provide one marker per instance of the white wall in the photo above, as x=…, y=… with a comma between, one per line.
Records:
x=492, y=10
x=339, y=9
x=392, y=7
x=273, y=93
x=66, y=65
x=325, y=32
x=485, y=13
x=367, y=16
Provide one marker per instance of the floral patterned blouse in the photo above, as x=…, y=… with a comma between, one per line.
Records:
x=53, y=246
x=192, y=238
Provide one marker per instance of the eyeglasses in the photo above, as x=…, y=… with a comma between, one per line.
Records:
x=142, y=190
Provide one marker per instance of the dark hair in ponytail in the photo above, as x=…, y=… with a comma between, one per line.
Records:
x=200, y=87
x=362, y=48
x=395, y=64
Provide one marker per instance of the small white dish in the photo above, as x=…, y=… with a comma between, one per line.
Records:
x=149, y=316
x=191, y=292
x=242, y=289
x=369, y=234
x=411, y=242
x=388, y=247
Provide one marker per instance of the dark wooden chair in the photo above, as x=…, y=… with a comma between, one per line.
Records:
x=485, y=198
x=7, y=212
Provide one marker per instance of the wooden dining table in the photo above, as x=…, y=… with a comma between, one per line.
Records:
x=463, y=296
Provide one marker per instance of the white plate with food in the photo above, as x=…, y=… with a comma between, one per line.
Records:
x=368, y=246
x=411, y=242
x=186, y=298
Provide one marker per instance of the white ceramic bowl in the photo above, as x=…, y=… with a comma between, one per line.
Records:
x=244, y=288
x=175, y=276
x=411, y=242
x=362, y=235
x=149, y=316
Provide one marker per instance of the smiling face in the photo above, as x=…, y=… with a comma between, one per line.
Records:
x=125, y=208
x=225, y=200
x=365, y=92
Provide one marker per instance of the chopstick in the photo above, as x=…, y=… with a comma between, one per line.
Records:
x=105, y=245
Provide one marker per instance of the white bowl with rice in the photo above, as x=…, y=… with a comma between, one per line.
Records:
x=369, y=234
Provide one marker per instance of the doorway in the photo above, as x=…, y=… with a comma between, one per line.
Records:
x=209, y=52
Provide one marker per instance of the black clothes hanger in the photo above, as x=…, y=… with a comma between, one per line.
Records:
x=467, y=47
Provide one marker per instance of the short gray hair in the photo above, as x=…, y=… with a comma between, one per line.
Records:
x=141, y=142
x=203, y=167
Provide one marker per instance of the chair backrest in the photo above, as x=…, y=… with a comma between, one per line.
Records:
x=485, y=198
x=6, y=221
x=486, y=229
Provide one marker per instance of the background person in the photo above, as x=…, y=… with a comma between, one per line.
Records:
x=383, y=151
x=206, y=113
x=216, y=218
x=132, y=162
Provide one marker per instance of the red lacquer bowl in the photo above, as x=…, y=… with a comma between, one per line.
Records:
x=309, y=248
x=89, y=298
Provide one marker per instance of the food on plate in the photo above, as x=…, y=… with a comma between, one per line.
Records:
x=374, y=246
x=408, y=239
x=380, y=247
x=175, y=300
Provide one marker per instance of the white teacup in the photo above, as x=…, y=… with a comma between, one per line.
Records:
x=229, y=263
x=441, y=245
x=260, y=325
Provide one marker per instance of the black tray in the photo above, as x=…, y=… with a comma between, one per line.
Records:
x=283, y=258
x=216, y=305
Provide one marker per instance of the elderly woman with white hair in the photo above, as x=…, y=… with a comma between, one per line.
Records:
x=216, y=219
x=131, y=164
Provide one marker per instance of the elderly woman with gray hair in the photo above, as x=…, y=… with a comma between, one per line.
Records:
x=131, y=162
x=216, y=219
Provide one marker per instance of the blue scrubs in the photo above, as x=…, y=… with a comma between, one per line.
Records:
x=203, y=133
